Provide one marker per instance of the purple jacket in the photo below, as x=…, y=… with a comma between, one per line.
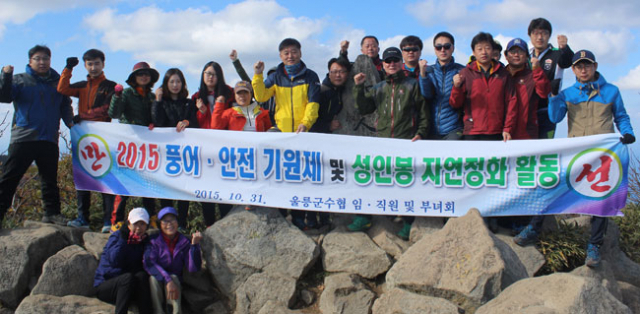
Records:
x=159, y=263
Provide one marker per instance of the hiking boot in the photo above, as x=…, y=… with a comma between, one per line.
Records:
x=78, y=223
x=593, y=256
x=57, y=219
x=526, y=236
x=106, y=229
x=360, y=224
x=299, y=222
x=117, y=226
x=405, y=232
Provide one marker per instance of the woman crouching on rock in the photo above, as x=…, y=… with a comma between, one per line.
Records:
x=164, y=259
x=120, y=277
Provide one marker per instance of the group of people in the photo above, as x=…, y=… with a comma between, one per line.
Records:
x=481, y=100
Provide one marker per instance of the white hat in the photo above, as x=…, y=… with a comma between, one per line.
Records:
x=138, y=214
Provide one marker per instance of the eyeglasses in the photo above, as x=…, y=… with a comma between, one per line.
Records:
x=338, y=72
x=38, y=59
x=143, y=73
x=411, y=49
x=514, y=52
x=168, y=221
x=209, y=74
x=446, y=46
x=583, y=66
x=540, y=33
x=391, y=60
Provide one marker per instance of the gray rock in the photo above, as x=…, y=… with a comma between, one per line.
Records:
x=630, y=296
x=349, y=117
x=5, y=310
x=43, y=303
x=307, y=297
x=383, y=232
x=602, y=274
x=530, y=257
x=94, y=243
x=623, y=268
x=24, y=251
x=345, y=294
x=353, y=252
x=405, y=302
x=70, y=271
x=463, y=263
x=73, y=235
x=273, y=307
x=425, y=225
x=254, y=293
x=216, y=308
x=198, y=290
x=249, y=242
x=556, y=293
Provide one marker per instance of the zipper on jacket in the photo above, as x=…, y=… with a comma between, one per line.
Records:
x=444, y=75
x=393, y=93
x=293, y=120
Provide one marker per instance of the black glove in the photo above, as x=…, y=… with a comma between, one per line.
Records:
x=71, y=62
x=627, y=139
x=76, y=119
x=555, y=87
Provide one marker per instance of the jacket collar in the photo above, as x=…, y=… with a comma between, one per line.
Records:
x=303, y=70
x=52, y=76
x=595, y=85
x=397, y=77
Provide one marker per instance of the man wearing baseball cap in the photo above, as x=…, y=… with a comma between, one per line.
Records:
x=593, y=106
x=120, y=277
x=402, y=113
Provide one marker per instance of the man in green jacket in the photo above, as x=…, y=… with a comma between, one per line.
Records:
x=402, y=113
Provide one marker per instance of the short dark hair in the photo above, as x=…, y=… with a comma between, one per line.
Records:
x=288, y=42
x=411, y=40
x=482, y=37
x=39, y=48
x=92, y=54
x=497, y=46
x=444, y=34
x=539, y=23
x=184, y=92
x=340, y=61
x=369, y=36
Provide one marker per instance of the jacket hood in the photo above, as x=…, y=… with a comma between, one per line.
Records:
x=591, y=86
x=52, y=76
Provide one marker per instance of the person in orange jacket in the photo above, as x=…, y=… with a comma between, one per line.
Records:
x=244, y=114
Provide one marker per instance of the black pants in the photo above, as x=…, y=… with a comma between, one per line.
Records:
x=120, y=203
x=183, y=210
x=124, y=289
x=84, y=202
x=20, y=157
x=209, y=212
x=598, y=228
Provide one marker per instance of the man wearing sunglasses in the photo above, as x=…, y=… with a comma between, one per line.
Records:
x=436, y=82
x=411, y=47
x=402, y=114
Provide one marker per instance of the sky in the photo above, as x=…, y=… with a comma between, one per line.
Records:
x=187, y=34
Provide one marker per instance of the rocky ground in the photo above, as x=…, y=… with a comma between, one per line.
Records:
x=257, y=262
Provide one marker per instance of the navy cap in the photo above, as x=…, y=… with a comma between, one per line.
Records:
x=167, y=210
x=517, y=42
x=392, y=52
x=583, y=55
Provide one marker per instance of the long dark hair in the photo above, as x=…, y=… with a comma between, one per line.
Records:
x=221, y=87
x=184, y=93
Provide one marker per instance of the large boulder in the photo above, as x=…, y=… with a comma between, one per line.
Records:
x=463, y=263
x=383, y=232
x=405, y=302
x=556, y=293
x=24, y=251
x=423, y=226
x=94, y=243
x=530, y=257
x=353, y=252
x=274, y=307
x=602, y=274
x=254, y=293
x=70, y=271
x=345, y=294
x=249, y=242
x=76, y=304
x=73, y=235
x=630, y=296
x=198, y=290
x=622, y=266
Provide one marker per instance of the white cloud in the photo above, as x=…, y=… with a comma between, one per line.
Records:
x=610, y=47
x=631, y=81
x=19, y=12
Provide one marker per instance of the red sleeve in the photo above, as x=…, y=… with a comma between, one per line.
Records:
x=543, y=86
x=511, y=101
x=219, y=118
x=456, y=100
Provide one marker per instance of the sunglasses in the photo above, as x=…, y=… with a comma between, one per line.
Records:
x=391, y=60
x=411, y=49
x=446, y=46
x=143, y=73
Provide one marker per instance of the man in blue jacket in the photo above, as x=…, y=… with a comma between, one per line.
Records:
x=34, y=130
x=436, y=82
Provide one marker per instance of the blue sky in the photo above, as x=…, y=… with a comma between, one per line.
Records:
x=187, y=34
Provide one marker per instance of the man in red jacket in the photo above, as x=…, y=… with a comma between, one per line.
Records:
x=531, y=86
x=485, y=92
